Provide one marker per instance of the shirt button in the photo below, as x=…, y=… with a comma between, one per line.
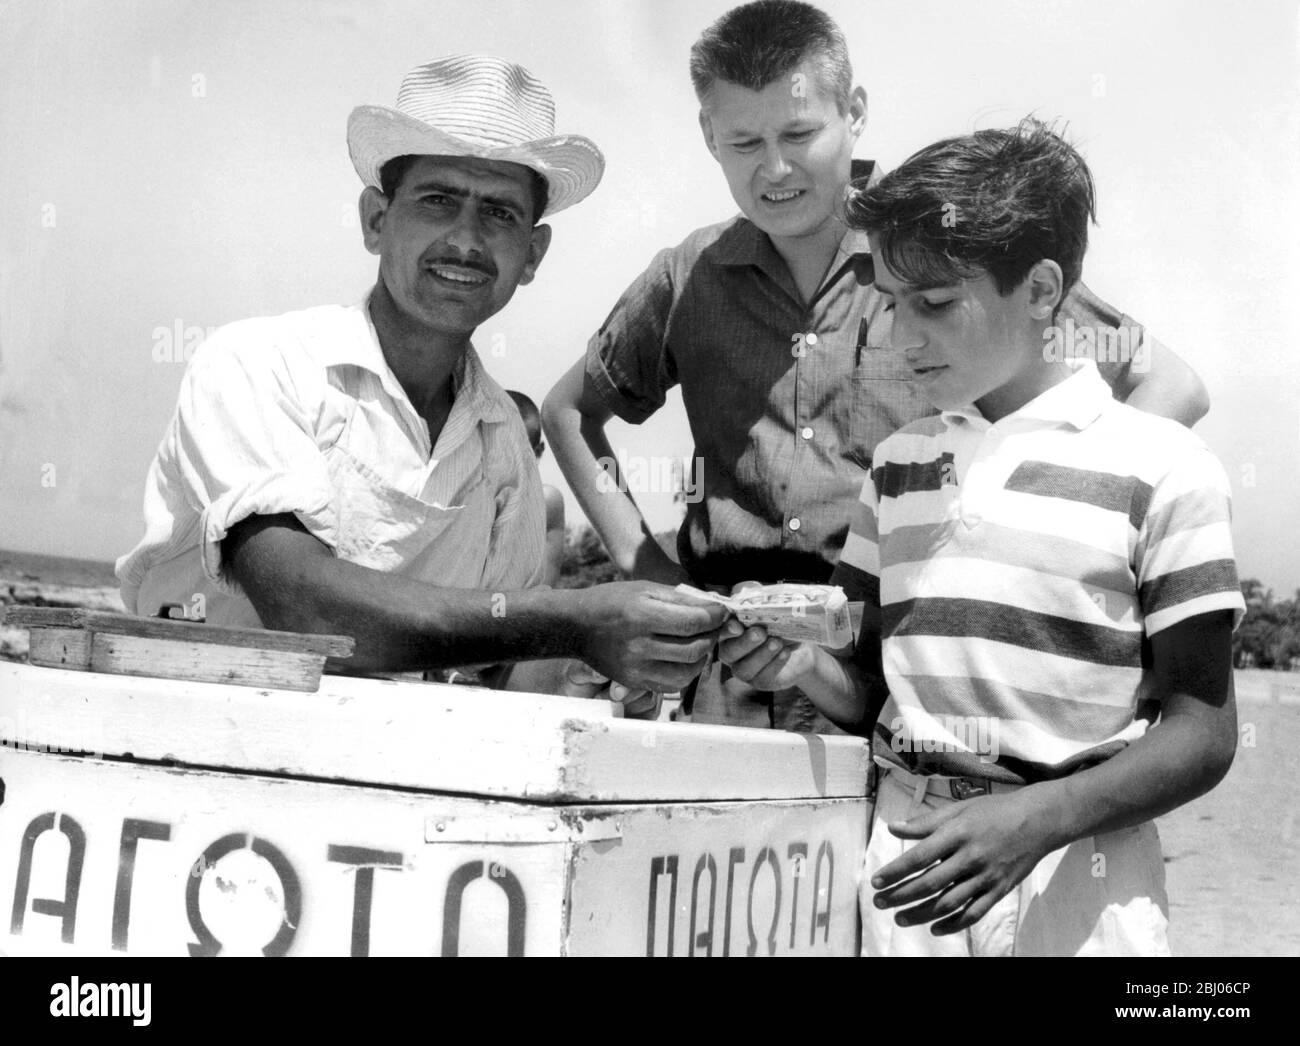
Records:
x=806, y=432
x=811, y=339
x=795, y=524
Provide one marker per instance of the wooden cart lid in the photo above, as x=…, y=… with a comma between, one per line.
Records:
x=168, y=628
x=423, y=736
x=124, y=644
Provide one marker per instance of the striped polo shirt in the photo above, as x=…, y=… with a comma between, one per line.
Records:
x=1020, y=569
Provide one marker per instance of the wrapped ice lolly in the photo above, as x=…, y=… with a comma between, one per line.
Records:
x=798, y=612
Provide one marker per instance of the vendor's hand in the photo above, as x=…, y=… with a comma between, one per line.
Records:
x=971, y=854
x=637, y=704
x=644, y=635
x=765, y=662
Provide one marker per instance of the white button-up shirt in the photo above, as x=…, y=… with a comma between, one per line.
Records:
x=300, y=413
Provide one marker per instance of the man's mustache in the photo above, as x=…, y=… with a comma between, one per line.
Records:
x=486, y=269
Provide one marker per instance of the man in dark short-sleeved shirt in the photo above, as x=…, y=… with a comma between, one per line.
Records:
x=772, y=326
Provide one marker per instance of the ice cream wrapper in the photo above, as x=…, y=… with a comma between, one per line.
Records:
x=795, y=612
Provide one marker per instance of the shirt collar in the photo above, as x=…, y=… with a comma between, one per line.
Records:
x=1077, y=401
x=358, y=345
x=864, y=174
x=853, y=247
x=475, y=388
x=746, y=244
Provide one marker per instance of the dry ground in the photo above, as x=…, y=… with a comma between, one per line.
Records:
x=1232, y=858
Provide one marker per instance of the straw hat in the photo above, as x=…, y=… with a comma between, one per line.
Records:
x=482, y=106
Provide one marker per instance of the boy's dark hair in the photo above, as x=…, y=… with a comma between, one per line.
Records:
x=1000, y=201
x=759, y=43
x=532, y=419
x=392, y=173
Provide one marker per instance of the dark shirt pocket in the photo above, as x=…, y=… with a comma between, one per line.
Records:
x=884, y=399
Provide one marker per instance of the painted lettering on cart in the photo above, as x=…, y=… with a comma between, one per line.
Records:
x=284, y=894
x=64, y=909
x=365, y=861
x=290, y=902
x=766, y=868
x=514, y=891
x=132, y=832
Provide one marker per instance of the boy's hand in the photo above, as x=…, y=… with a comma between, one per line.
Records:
x=636, y=704
x=971, y=855
x=580, y=680
x=768, y=663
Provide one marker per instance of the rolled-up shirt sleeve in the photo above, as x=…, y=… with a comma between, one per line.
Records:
x=243, y=444
x=627, y=359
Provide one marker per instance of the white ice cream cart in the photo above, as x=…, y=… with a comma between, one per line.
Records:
x=331, y=815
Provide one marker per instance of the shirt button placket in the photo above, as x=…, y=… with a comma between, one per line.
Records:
x=971, y=493
x=807, y=340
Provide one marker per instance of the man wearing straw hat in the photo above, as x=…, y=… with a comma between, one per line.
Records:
x=355, y=470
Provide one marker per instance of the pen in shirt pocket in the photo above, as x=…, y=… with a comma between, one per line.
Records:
x=884, y=343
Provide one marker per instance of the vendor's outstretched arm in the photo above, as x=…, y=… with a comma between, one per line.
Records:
x=574, y=419
x=641, y=634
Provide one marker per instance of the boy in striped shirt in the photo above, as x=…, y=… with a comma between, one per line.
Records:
x=1049, y=584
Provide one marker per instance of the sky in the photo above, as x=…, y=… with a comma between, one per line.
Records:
x=171, y=166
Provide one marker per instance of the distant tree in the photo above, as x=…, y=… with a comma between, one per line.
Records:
x=1269, y=634
x=1255, y=594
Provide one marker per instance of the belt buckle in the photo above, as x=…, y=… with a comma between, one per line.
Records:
x=968, y=787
